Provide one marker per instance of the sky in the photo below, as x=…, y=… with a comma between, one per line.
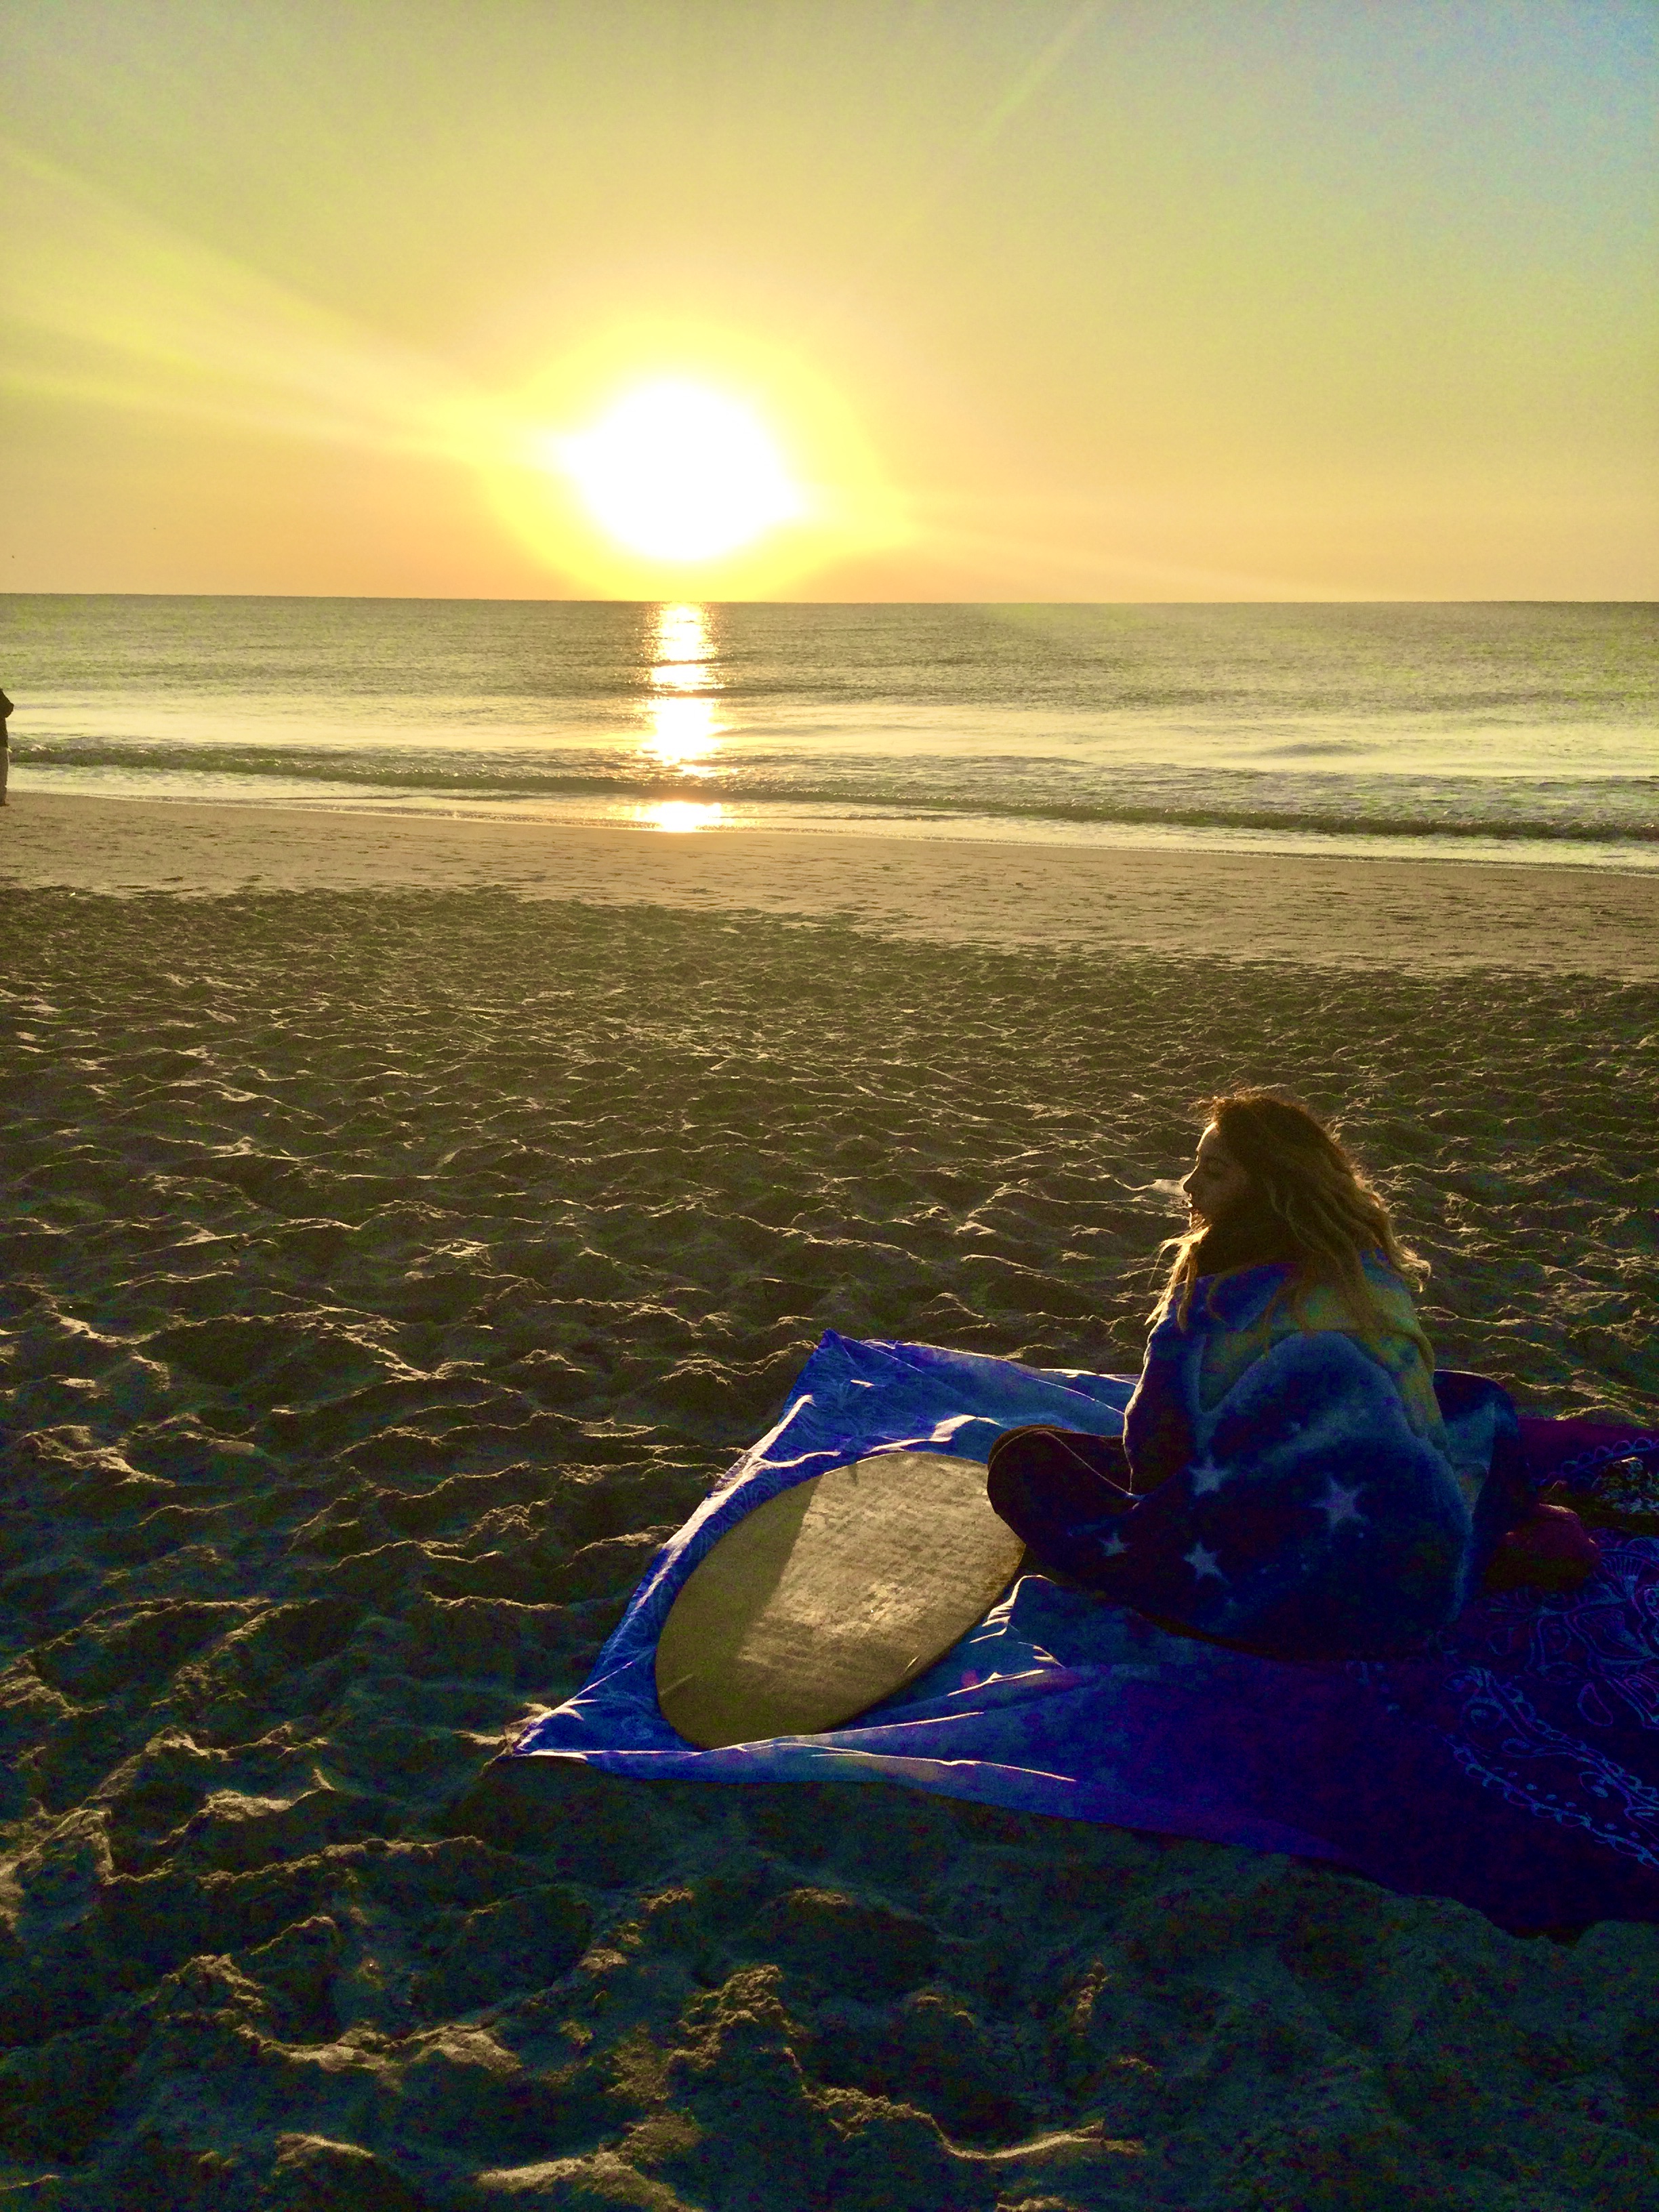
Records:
x=847, y=300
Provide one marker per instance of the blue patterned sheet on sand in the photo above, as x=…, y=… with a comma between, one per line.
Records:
x=1512, y=1761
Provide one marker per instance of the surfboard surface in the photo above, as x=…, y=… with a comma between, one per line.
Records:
x=830, y=1596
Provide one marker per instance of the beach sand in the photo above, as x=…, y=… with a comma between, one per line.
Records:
x=393, y=1262
x=1409, y=916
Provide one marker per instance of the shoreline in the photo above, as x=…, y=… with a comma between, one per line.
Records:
x=1341, y=912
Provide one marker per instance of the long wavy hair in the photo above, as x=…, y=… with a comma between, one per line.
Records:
x=1306, y=1202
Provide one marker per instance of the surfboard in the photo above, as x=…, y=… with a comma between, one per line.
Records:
x=830, y=1596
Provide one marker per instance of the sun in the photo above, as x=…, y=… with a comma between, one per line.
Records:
x=675, y=471
x=674, y=460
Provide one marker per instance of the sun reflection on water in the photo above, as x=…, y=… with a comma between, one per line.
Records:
x=679, y=814
x=681, y=713
x=682, y=645
x=683, y=732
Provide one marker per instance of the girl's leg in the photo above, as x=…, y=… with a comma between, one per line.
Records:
x=1061, y=1490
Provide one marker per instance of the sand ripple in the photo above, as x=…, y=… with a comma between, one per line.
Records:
x=387, y=1274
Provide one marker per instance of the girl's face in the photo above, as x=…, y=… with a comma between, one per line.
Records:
x=1217, y=1181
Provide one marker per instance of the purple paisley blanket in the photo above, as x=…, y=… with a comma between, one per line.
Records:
x=1511, y=1760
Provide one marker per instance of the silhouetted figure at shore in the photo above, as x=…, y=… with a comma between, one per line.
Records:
x=6, y=713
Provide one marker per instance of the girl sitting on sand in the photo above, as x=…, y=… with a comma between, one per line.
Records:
x=1293, y=1475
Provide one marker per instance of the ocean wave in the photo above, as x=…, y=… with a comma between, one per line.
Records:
x=1327, y=804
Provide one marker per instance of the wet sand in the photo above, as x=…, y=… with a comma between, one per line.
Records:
x=1397, y=914
x=388, y=1269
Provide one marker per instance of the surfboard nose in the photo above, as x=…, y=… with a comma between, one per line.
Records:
x=830, y=1596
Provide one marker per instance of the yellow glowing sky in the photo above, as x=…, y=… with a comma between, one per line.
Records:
x=840, y=299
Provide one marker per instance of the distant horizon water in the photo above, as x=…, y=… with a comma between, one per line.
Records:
x=1489, y=730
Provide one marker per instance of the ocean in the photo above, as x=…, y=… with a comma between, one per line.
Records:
x=1490, y=730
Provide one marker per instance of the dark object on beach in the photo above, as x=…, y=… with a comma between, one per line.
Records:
x=7, y=710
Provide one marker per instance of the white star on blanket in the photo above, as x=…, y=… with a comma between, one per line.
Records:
x=1203, y=1562
x=1111, y=1546
x=1339, y=1504
x=1207, y=1475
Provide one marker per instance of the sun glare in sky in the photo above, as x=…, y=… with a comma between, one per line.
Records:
x=679, y=472
x=661, y=461
x=1068, y=300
